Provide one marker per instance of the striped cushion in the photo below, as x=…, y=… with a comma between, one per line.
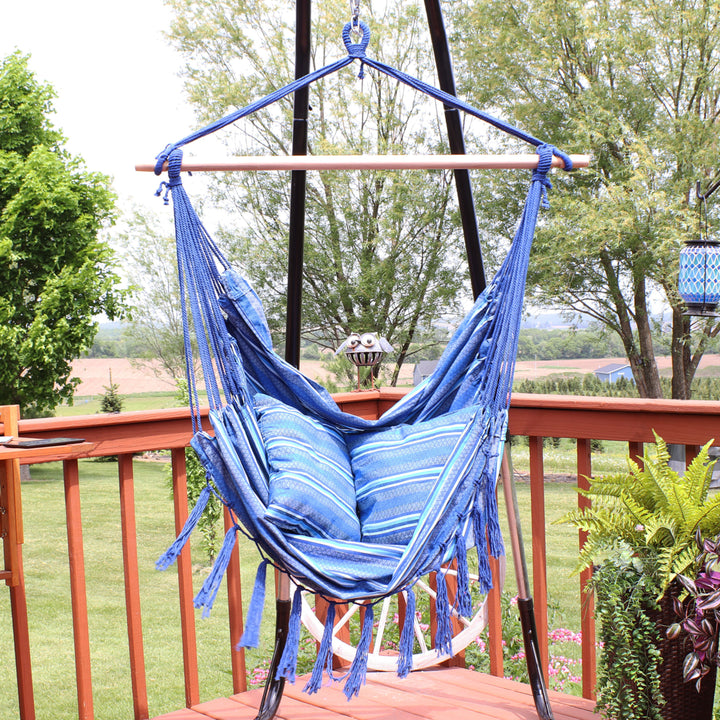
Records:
x=311, y=482
x=395, y=471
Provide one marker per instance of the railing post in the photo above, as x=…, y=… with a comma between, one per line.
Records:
x=78, y=593
x=587, y=600
x=132, y=587
x=234, y=591
x=11, y=529
x=495, y=621
x=185, y=587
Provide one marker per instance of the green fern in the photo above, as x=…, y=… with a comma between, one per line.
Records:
x=651, y=509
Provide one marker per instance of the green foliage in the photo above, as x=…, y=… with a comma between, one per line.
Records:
x=55, y=275
x=628, y=678
x=704, y=388
x=635, y=85
x=111, y=401
x=383, y=249
x=156, y=327
x=652, y=510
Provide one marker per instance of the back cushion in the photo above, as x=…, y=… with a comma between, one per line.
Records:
x=395, y=471
x=311, y=482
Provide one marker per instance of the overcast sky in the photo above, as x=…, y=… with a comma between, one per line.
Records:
x=119, y=98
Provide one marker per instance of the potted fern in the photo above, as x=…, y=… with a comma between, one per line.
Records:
x=642, y=534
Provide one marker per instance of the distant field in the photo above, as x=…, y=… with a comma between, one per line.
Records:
x=144, y=386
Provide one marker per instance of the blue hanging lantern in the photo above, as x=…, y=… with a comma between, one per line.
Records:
x=699, y=277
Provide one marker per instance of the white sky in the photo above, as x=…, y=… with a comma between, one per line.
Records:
x=119, y=98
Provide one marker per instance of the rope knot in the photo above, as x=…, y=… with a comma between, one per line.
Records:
x=162, y=157
x=356, y=50
x=546, y=153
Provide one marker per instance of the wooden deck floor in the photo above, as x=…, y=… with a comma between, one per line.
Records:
x=444, y=694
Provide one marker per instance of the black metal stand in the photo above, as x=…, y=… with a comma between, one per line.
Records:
x=446, y=79
x=272, y=694
x=274, y=686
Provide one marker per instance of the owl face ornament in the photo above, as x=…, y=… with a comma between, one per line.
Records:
x=365, y=350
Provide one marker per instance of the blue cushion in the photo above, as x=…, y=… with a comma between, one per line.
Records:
x=395, y=471
x=311, y=482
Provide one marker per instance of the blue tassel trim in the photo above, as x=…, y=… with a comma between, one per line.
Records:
x=209, y=590
x=464, y=601
x=324, y=656
x=171, y=554
x=358, y=669
x=443, y=636
x=407, y=637
x=480, y=533
x=497, y=547
x=251, y=635
x=288, y=662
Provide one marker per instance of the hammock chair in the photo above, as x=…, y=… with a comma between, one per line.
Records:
x=352, y=509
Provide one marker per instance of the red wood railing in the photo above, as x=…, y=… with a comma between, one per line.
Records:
x=584, y=419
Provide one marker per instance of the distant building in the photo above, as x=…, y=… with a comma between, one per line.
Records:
x=614, y=371
x=422, y=370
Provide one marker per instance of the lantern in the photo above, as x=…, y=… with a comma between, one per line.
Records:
x=699, y=277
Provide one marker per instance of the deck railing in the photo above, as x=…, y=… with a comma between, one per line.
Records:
x=535, y=416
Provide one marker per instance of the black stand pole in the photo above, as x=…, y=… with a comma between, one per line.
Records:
x=274, y=686
x=466, y=205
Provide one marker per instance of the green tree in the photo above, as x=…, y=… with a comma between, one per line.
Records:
x=383, y=249
x=111, y=400
x=636, y=85
x=156, y=327
x=56, y=276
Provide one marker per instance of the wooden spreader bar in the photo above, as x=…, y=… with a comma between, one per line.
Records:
x=371, y=162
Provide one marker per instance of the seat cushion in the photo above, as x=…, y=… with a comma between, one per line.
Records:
x=311, y=483
x=395, y=471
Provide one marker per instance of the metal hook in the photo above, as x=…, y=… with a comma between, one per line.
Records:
x=355, y=16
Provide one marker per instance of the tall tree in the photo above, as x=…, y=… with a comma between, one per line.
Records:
x=637, y=85
x=156, y=324
x=383, y=249
x=56, y=276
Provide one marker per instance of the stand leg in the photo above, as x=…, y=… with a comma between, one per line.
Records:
x=525, y=602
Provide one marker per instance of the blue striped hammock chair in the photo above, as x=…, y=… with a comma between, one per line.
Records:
x=353, y=509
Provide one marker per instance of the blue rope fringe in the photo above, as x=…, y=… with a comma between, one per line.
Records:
x=464, y=601
x=324, y=653
x=288, y=662
x=209, y=590
x=443, y=636
x=171, y=554
x=251, y=635
x=358, y=669
x=407, y=637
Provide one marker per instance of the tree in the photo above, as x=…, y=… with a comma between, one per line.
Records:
x=382, y=248
x=56, y=276
x=636, y=85
x=156, y=325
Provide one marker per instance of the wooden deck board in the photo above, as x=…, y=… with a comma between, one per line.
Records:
x=442, y=694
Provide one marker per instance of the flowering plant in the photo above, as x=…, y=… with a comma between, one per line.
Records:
x=699, y=611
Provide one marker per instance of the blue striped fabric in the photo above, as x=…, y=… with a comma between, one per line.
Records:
x=396, y=471
x=311, y=482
